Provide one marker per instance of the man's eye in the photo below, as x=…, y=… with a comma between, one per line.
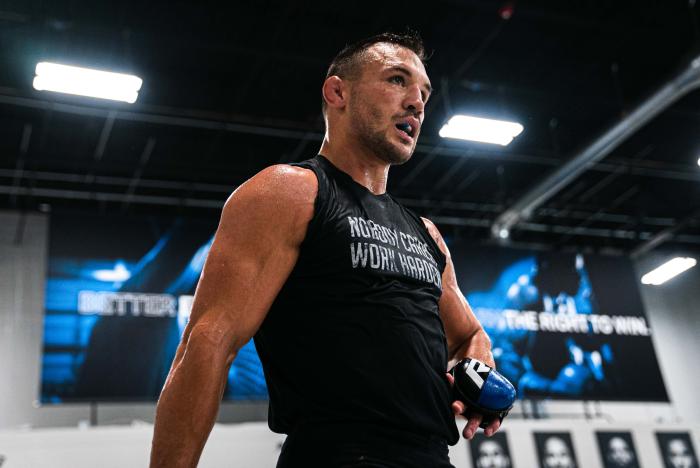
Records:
x=398, y=79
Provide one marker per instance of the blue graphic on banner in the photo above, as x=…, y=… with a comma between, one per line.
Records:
x=554, y=333
x=116, y=306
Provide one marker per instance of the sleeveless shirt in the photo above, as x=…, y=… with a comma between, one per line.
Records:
x=355, y=335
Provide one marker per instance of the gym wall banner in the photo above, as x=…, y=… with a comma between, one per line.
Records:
x=562, y=325
x=119, y=292
x=118, y=295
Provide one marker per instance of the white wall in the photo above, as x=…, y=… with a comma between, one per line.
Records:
x=674, y=314
x=22, y=262
x=672, y=310
x=248, y=445
x=252, y=445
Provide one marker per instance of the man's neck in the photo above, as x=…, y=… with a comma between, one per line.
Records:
x=366, y=169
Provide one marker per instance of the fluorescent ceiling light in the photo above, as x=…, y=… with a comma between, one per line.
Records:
x=698, y=161
x=668, y=270
x=86, y=82
x=465, y=127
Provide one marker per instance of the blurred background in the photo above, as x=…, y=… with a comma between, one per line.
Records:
x=107, y=207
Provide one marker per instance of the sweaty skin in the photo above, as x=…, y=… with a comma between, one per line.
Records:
x=255, y=249
x=264, y=222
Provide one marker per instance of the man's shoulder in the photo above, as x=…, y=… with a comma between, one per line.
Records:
x=275, y=189
x=281, y=181
x=276, y=203
x=429, y=225
x=435, y=234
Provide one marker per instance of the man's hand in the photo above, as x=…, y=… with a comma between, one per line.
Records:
x=473, y=418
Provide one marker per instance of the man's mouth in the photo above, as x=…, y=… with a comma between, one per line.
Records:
x=408, y=128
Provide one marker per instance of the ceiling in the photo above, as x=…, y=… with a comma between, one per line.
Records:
x=229, y=90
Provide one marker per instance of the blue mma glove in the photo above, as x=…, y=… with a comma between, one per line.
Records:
x=482, y=390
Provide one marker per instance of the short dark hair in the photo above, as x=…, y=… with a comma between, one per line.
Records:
x=348, y=62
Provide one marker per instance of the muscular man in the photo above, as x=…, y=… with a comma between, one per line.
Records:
x=352, y=298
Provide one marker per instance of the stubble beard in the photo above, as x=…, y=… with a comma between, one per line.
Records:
x=376, y=141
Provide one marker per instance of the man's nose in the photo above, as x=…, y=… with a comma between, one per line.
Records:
x=414, y=100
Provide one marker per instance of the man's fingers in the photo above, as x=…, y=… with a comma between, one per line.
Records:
x=472, y=425
x=474, y=419
x=492, y=428
x=457, y=406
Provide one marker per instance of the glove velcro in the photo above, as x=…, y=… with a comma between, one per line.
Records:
x=482, y=390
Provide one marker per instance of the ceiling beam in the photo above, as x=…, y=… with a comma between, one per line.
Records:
x=684, y=82
x=19, y=167
x=267, y=128
x=143, y=160
x=432, y=207
x=665, y=235
x=218, y=204
x=156, y=118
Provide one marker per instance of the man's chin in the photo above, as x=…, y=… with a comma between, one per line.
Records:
x=396, y=158
x=399, y=154
x=390, y=151
x=403, y=160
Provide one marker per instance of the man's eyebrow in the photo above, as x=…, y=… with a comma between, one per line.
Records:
x=408, y=73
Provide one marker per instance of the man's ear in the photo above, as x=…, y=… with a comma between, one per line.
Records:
x=335, y=92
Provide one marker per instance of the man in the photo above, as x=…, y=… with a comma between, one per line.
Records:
x=620, y=454
x=557, y=454
x=352, y=299
x=679, y=454
x=492, y=455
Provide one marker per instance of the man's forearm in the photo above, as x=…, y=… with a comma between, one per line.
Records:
x=478, y=346
x=188, y=406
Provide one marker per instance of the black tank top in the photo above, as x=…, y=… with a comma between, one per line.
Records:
x=355, y=335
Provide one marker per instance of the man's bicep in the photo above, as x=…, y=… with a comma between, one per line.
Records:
x=458, y=319
x=457, y=316
x=255, y=249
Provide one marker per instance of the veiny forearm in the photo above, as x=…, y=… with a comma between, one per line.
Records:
x=188, y=405
x=478, y=346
